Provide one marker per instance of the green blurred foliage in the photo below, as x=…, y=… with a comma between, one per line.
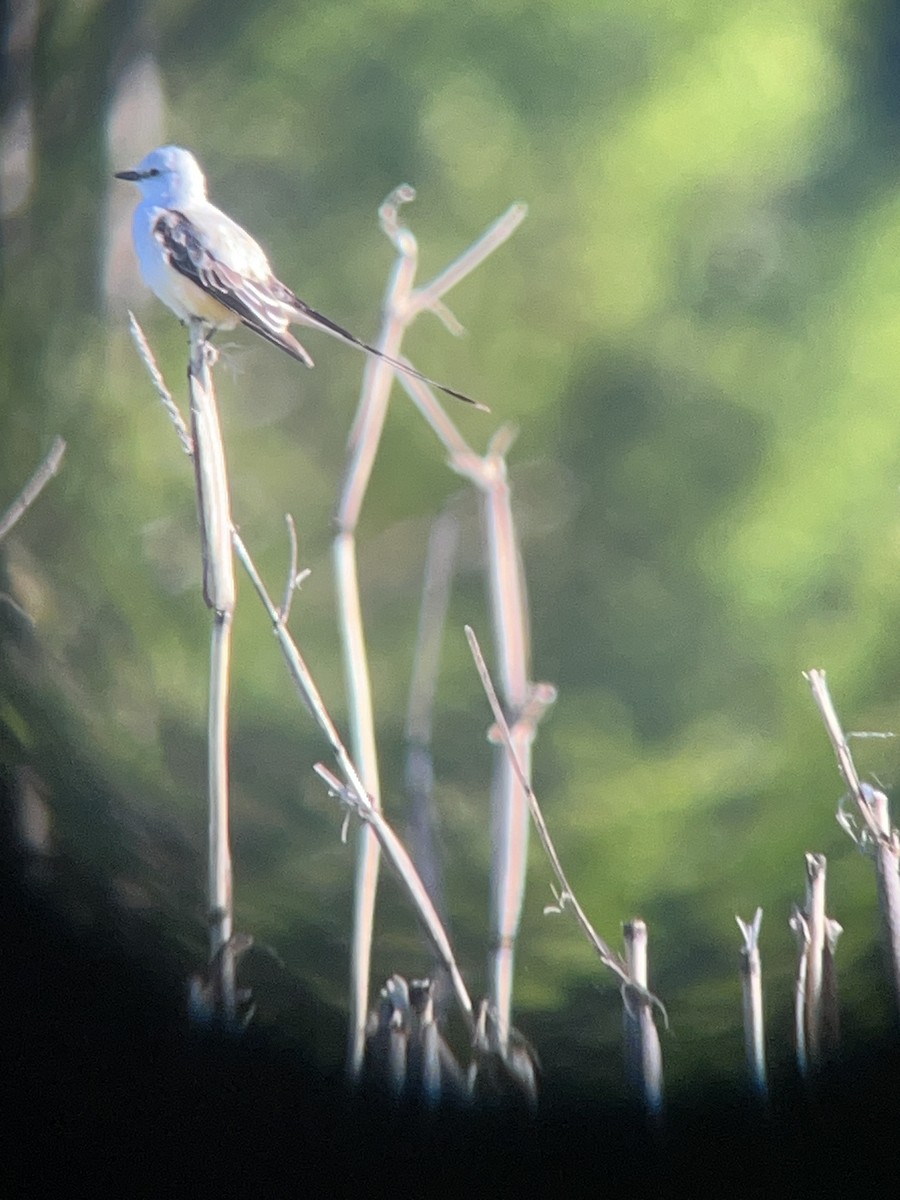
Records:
x=695, y=333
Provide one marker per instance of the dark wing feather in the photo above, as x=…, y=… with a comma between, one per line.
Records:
x=261, y=306
x=309, y=316
x=265, y=306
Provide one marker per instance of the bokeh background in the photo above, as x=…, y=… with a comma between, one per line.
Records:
x=695, y=332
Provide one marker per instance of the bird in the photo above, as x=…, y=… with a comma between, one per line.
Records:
x=205, y=266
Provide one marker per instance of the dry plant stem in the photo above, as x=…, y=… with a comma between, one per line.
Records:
x=815, y=1008
x=798, y=925
x=830, y=1030
x=362, y=731
x=159, y=384
x=204, y=446
x=442, y=544
x=426, y=1042
x=219, y=593
x=509, y=834
x=389, y=1042
x=33, y=488
x=509, y=841
x=815, y=919
x=751, y=986
x=643, y=1051
x=353, y=792
x=426, y=298
x=566, y=897
x=509, y=844
x=398, y=857
x=404, y=1046
x=401, y=304
x=419, y=774
x=363, y=442
x=887, y=856
x=846, y=765
x=365, y=437
x=873, y=808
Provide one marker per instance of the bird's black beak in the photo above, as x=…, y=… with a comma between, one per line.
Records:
x=131, y=176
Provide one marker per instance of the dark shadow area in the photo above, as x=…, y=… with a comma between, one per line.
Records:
x=105, y=1076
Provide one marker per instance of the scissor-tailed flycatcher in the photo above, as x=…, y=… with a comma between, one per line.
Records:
x=205, y=267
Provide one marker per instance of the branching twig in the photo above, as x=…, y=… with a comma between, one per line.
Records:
x=204, y=446
x=427, y=297
x=872, y=806
x=402, y=303
x=816, y=680
x=566, y=896
x=293, y=576
x=509, y=610
x=352, y=791
x=397, y=855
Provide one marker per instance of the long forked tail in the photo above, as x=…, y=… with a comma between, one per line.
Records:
x=309, y=316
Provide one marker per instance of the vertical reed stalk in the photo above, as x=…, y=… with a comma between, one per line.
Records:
x=643, y=1054
x=219, y=594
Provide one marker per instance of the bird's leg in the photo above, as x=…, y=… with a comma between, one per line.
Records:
x=209, y=350
x=212, y=354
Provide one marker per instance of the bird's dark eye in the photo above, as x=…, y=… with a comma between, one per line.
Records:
x=153, y=171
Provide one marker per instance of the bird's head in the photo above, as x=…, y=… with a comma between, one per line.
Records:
x=168, y=176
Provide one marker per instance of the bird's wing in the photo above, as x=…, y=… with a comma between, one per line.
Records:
x=220, y=257
x=223, y=260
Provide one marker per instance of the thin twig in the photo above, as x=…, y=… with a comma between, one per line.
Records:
x=149, y=361
x=290, y=585
x=816, y=680
x=566, y=896
x=878, y=832
x=40, y=477
x=352, y=791
x=427, y=295
x=398, y=857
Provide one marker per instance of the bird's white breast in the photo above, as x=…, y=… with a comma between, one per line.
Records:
x=183, y=297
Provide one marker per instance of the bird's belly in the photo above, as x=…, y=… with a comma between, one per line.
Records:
x=188, y=300
x=180, y=294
